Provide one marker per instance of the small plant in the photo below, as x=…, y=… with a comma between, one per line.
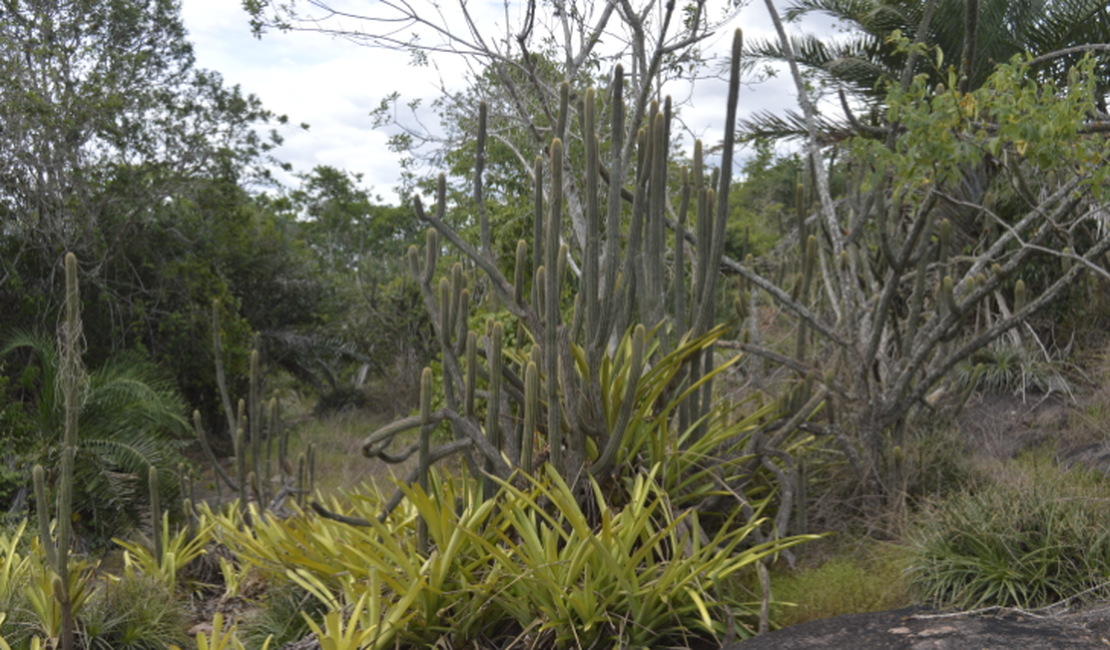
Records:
x=136, y=612
x=17, y=620
x=1034, y=536
x=335, y=635
x=280, y=618
x=52, y=599
x=1008, y=368
x=221, y=638
x=172, y=552
x=14, y=566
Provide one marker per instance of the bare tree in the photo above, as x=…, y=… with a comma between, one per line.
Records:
x=523, y=61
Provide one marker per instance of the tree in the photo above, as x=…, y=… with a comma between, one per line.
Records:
x=974, y=36
x=373, y=317
x=906, y=262
x=345, y=227
x=102, y=119
x=115, y=147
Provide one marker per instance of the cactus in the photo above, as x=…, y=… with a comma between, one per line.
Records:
x=493, y=406
x=254, y=474
x=426, y=427
x=242, y=480
x=221, y=379
x=531, y=408
x=622, y=291
x=809, y=263
x=155, y=513
x=551, y=308
x=57, y=547
x=255, y=421
x=45, y=534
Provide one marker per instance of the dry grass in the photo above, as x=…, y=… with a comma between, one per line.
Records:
x=340, y=465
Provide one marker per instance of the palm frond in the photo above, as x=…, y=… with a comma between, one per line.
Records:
x=131, y=418
x=40, y=347
x=792, y=125
x=310, y=358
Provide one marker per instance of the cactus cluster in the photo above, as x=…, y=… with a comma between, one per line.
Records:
x=544, y=400
x=254, y=463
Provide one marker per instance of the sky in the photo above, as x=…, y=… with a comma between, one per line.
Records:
x=333, y=84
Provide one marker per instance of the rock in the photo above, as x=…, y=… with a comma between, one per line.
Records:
x=920, y=629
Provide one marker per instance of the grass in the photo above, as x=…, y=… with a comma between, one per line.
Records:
x=1031, y=536
x=340, y=465
x=280, y=617
x=868, y=579
x=137, y=612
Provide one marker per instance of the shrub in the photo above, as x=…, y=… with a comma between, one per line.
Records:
x=525, y=561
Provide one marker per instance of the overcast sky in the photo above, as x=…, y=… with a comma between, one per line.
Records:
x=332, y=85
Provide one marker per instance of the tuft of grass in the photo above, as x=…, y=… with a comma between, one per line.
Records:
x=135, y=612
x=1032, y=535
x=280, y=617
x=871, y=582
x=1008, y=368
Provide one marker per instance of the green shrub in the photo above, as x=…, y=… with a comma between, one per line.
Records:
x=16, y=562
x=1032, y=536
x=1007, y=368
x=527, y=560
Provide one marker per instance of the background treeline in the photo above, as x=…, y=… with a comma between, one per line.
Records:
x=158, y=176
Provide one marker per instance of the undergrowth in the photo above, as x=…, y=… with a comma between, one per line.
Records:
x=870, y=580
x=1032, y=535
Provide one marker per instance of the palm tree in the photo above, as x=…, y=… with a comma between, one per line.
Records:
x=131, y=418
x=973, y=35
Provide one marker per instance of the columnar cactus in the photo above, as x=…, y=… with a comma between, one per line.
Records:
x=57, y=548
x=253, y=470
x=155, y=513
x=554, y=389
x=424, y=460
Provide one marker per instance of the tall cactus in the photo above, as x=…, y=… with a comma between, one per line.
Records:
x=254, y=469
x=424, y=460
x=57, y=548
x=155, y=513
x=555, y=388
